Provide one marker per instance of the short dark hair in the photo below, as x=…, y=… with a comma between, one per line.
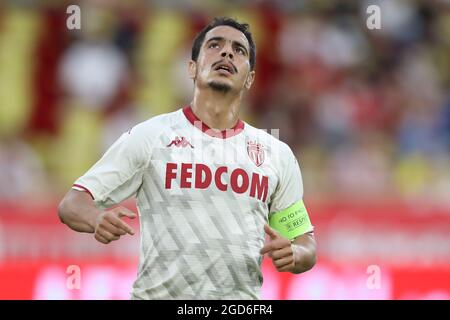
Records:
x=225, y=21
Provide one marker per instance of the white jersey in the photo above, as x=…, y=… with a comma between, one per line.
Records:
x=203, y=197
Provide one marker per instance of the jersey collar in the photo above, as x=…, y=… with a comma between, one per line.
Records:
x=196, y=122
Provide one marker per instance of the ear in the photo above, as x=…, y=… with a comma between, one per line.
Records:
x=249, y=80
x=192, y=69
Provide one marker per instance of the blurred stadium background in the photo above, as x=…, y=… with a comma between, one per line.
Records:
x=366, y=111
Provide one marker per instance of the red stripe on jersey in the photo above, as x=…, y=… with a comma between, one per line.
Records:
x=85, y=189
x=190, y=115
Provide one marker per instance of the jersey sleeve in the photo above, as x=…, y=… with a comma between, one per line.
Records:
x=288, y=194
x=118, y=174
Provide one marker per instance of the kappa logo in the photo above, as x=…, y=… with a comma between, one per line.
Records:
x=256, y=152
x=180, y=142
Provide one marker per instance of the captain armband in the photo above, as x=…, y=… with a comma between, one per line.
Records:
x=291, y=222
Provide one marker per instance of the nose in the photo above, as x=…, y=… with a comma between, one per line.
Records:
x=226, y=51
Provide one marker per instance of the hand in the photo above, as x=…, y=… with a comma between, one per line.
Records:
x=279, y=249
x=109, y=225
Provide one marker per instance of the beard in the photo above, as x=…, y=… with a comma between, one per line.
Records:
x=219, y=86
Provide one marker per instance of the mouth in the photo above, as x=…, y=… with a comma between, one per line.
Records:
x=224, y=67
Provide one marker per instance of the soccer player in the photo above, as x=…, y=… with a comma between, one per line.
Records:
x=210, y=188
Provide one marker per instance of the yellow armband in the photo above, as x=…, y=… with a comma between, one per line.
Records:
x=291, y=222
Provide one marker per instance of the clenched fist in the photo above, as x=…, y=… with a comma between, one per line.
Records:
x=109, y=225
x=279, y=249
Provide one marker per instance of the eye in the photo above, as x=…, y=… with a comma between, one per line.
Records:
x=240, y=50
x=213, y=45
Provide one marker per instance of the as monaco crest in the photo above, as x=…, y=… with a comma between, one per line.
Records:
x=255, y=152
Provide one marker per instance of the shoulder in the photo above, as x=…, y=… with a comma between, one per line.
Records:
x=269, y=138
x=156, y=124
x=142, y=137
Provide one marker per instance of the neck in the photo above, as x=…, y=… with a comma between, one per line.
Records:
x=218, y=110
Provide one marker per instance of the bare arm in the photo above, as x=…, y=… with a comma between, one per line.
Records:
x=296, y=257
x=304, y=251
x=78, y=211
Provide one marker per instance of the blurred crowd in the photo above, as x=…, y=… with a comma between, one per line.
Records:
x=366, y=111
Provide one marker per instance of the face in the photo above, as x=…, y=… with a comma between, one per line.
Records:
x=223, y=62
